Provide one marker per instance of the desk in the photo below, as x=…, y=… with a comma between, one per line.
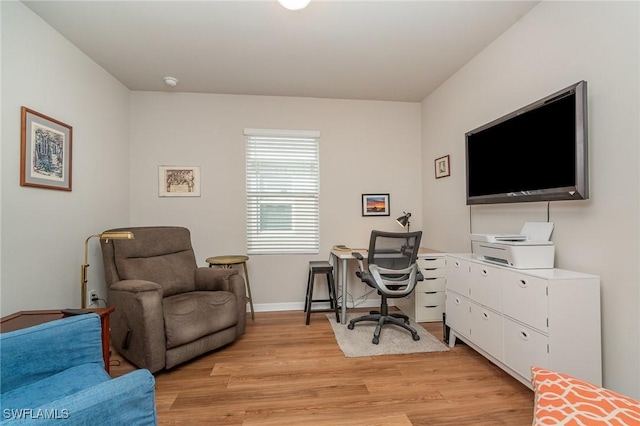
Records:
x=339, y=259
x=24, y=319
x=341, y=274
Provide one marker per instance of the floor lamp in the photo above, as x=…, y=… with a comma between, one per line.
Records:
x=115, y=235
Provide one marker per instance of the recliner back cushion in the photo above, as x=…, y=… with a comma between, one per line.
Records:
x=159, y=254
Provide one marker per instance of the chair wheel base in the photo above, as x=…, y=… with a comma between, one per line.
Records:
x=375, y=340
x=350, y=326
x=416, y=337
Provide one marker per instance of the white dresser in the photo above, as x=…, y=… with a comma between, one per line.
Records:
x=426, y=303
x=520, y=318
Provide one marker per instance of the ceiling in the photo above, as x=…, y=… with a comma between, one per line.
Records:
x=374, y=50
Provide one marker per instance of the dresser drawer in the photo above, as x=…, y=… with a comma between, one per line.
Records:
x=525, y=298
x=458, y=308
x=524, y=347
x=486, y=329
x=433, y=273
x=435, y=298
x=431, y=284
x=431, y=262
x=429, y=313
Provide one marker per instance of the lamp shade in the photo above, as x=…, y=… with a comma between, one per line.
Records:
x=404, y=219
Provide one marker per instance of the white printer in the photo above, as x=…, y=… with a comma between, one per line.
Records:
x=530, y=249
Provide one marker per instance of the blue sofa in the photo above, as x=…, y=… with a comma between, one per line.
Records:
x=54, y=373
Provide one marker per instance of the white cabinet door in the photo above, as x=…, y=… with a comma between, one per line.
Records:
x=525, y=298
x=458, y=276
x=523, y=348
x=485, y=286
x=486, y=329
x=457, y=308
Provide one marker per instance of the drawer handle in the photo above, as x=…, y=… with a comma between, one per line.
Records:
x=484, y=272
x=523, y=283
x=430, y=279
x=485, y=316
x=456, y=264
x=430, y=292
x=524, y=335
x=457, y=301
x=431, y=306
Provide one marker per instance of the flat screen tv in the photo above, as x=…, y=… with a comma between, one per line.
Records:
x=537, y=153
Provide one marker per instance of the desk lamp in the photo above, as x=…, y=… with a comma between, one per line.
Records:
x=404, y=220
x=117, y=235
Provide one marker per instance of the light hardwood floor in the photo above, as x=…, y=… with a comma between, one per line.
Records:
x=283, y=372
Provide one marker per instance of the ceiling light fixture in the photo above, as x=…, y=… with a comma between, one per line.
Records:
x=171, y=81
x=294, y=4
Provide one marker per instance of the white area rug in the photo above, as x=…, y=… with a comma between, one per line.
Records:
x=393, y=340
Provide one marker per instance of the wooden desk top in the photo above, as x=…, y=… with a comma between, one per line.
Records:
x=347, y=254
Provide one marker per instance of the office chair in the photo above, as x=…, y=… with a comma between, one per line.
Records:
x=392, y=270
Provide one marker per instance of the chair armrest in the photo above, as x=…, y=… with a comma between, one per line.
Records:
x=135, y=286
x=33, y=353
x=137, y=324
x=126, y=400
x=359, y=258
x=214, y=279
x=223, y=279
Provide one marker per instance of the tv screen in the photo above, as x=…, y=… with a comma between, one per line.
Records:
x=537, y=153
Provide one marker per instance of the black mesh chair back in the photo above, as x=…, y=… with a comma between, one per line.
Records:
x=394, y=250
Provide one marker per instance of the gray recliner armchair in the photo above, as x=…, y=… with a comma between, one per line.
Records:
x=167, y=309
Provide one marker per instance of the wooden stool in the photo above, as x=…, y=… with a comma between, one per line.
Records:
x=321, y=267
x=227, y=262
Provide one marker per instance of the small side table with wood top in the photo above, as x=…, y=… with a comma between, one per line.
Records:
x=24, y=319
x=228, y=262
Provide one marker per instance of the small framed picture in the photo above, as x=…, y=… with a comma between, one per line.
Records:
x=375, y=205
x=442, y=167
x=179, y=181
x=45, y=151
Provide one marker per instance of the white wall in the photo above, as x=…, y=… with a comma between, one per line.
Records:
x=365, y=147
x=553, y=46
x=43, y=231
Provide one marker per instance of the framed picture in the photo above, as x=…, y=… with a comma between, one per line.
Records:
x=45, y=151
x=179, y=181
x=375, y=205
x=442, y=167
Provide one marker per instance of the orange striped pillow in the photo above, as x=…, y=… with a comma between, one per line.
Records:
x=564, y=400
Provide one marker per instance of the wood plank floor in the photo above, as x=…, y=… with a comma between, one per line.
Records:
x=283, y=372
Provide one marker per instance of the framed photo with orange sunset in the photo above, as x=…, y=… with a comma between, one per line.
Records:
x=375, y=205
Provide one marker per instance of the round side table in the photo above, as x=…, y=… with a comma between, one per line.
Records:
x=228, y=262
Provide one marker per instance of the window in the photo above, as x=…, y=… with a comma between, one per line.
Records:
x=283, y=181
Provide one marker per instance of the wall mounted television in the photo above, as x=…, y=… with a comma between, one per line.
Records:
x=537, y=153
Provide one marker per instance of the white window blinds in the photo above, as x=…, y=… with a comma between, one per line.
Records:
x=282, y=191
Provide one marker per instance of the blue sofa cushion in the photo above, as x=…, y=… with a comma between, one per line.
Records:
x=67, y=382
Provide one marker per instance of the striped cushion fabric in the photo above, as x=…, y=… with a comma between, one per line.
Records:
x=564, y=400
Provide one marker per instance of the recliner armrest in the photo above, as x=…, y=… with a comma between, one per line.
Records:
x=135, y=286
x=214, y=279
